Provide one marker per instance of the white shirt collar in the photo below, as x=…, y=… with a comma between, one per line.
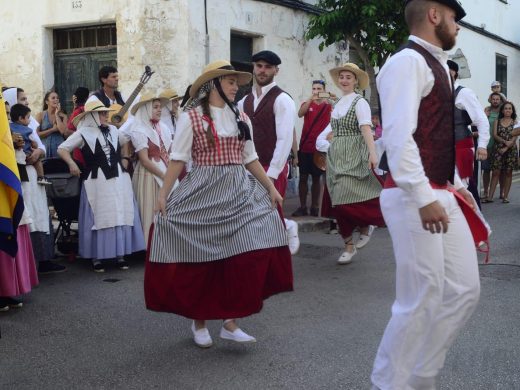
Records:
x=264, y=89
x=435, y=51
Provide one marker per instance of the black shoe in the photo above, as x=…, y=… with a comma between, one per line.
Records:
x=14, y=303
x=315, y=212
x=300, y=212
x=123, y=264
x=48, y=267
x=4, y=304
x=98, y=266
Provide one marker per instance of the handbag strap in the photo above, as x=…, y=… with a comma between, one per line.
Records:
x=313, y=124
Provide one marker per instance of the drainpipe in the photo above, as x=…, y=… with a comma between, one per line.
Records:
x=206, y=40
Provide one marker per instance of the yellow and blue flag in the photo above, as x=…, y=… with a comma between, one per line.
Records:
x=11, y=201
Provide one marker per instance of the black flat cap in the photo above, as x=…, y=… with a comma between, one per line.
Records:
x=267, y=56
x=453, y=66
x=453, y=4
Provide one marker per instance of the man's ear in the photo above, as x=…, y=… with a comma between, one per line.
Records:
x=434, y=15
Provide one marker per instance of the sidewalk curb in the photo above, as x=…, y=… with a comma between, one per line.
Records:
x=311, y=224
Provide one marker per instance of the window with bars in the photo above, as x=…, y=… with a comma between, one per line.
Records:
x=85, y=37
x=501, y=71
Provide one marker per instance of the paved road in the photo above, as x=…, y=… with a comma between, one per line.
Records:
x=81, y=330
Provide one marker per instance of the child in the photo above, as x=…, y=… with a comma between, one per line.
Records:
x=21, y=117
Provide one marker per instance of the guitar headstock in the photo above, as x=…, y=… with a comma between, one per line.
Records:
x=146, y=75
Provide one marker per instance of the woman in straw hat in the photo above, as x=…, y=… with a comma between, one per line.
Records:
x=152, y=140
x=109, y=223
x=351, y=157
x=219, y=246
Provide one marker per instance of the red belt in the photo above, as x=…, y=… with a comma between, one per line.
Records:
x=476, y=225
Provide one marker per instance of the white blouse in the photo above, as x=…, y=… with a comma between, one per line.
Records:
x=341, y=108
x=225, y=126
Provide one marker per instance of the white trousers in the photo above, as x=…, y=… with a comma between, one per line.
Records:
x=437, y=289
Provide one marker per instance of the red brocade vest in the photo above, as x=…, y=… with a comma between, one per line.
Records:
x=264, y=124
x=227, y=150
x=435, y=134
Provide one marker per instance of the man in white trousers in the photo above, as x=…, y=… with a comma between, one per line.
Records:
x=437, y=280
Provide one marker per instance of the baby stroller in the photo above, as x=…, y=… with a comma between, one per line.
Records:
x=64, y=193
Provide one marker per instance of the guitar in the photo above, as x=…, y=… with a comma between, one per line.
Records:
x=120, y=115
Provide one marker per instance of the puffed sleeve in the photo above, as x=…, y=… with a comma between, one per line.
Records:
x=249, y=153
x=75, y=140
x=363, y=114
x=139, y=140
x=181, y=148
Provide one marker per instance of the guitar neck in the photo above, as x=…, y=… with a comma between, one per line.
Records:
x=131, y=99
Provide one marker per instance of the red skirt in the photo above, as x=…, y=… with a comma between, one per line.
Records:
x=350, y=216
x=230, y=288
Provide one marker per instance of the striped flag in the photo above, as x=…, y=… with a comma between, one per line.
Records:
x=11, y=201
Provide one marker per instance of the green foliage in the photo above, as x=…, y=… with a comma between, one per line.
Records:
x=376, y=28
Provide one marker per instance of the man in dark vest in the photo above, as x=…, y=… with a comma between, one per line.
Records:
x=273, y=113
x=437, y=280
x=108, y=94
x=468, y=112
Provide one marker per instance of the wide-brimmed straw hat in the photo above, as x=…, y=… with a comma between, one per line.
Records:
x=217, y=69
x=92, y=106
x=170, y=94
x=147, y=97
x=361, y=75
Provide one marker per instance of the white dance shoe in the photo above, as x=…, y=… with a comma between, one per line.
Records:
x=292, y=236
x=201, y=337
x=238, y=335
x=346, y=257
x=364, y=238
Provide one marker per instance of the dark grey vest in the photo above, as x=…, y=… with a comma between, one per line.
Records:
x=462, y=120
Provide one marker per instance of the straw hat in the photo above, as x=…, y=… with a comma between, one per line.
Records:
x=217, y=69
x=92, y=106
x=170, y=94
x=147, y=97
x=361, y=75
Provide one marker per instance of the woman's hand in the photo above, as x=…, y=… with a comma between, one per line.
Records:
x=160, y=206
x=330, y=136
x=276, y=198
x=372, y=160
x=502, y=150
x=74, y=169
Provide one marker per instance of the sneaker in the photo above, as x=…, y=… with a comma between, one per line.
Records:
x=123, y=264
x=48, y=267
x=43, y=181
x=98, y=266
x=201, y=336
x=300, y=212
x=238, y=335
x=364, y=238
x=346, y=257
x=315, y=212
x=292, y=236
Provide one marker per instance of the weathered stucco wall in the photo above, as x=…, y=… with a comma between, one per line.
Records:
x=168, y=35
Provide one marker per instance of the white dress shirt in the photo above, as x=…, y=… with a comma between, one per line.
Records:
x=467, y=100
x=403, y=81
x=340, y=110
x=225, y=126
x=285, y=117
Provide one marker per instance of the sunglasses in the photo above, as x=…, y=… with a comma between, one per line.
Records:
x=319, y=82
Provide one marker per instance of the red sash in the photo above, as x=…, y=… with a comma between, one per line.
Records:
x=478, y=227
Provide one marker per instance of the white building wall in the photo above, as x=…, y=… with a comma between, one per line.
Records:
x=480, y=51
